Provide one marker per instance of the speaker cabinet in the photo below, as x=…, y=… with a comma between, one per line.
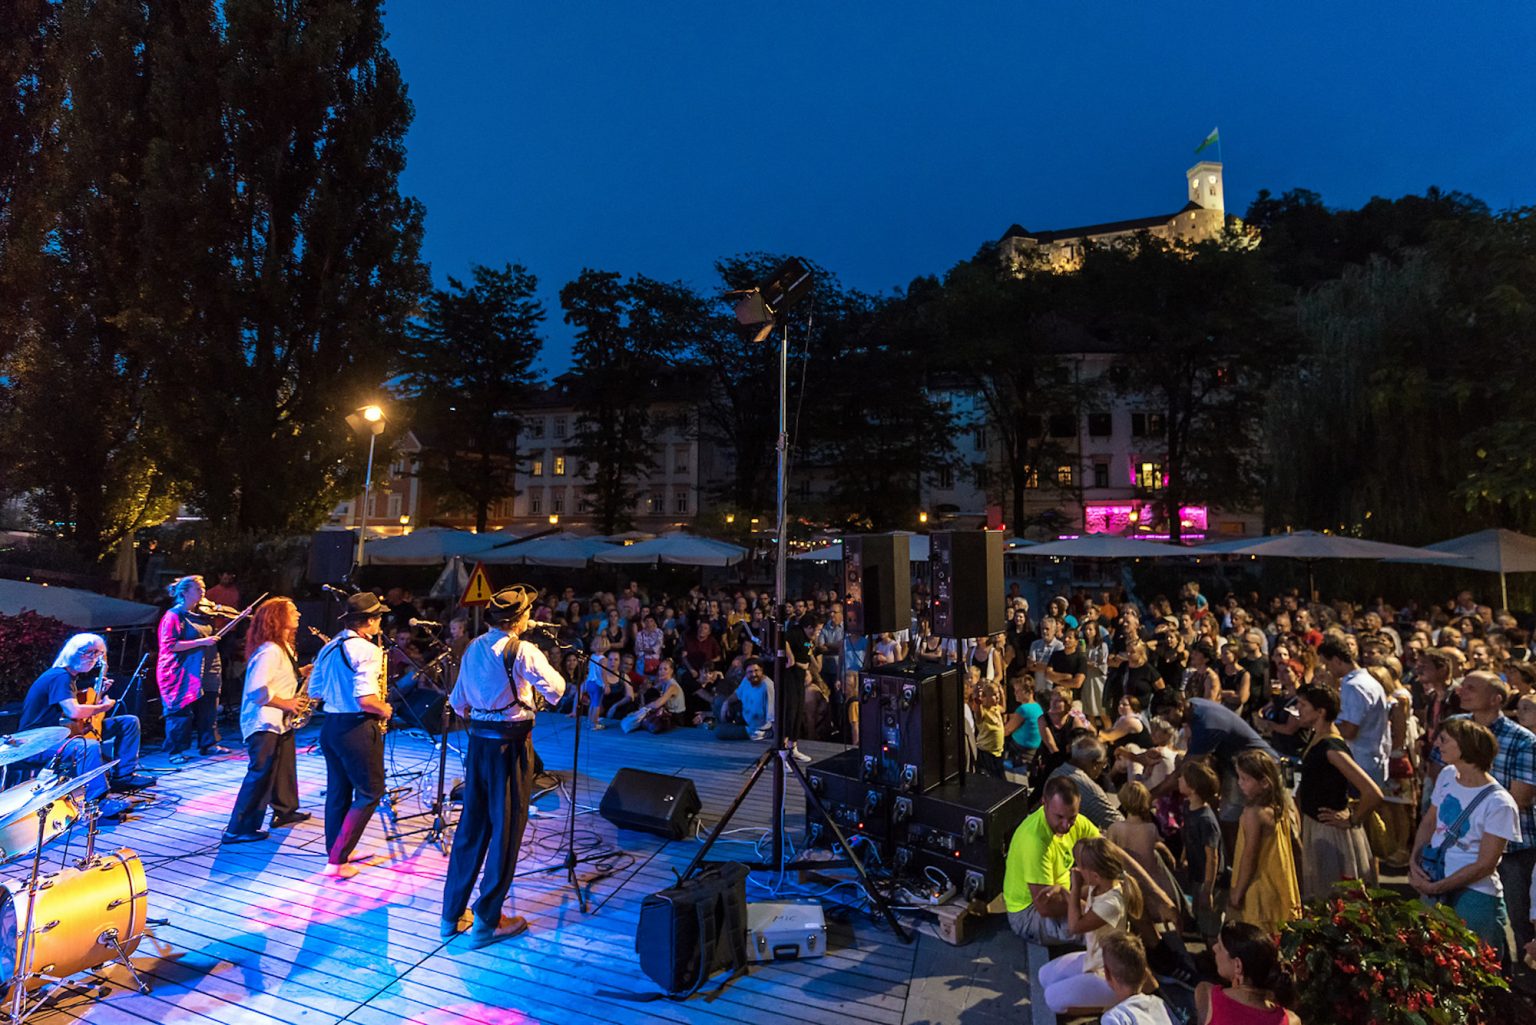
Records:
x=910, y=733
x=877, y=583
x=330, y=556
x=651, y=803
x=967, y=582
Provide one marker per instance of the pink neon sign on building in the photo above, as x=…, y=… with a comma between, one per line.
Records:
x=1127, y=517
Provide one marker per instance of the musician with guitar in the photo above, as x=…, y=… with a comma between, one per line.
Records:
x=189, y=674
x=348, y=679
x=58, y=694
x=272, y=699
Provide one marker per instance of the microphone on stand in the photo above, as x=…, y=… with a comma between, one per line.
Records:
x=425, y=622
x=338, y=592
x=539, y=624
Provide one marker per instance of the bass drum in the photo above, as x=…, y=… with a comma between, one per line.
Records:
x=78, y=913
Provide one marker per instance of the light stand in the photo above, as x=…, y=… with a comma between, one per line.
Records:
x=763, y=305
x=368, y=418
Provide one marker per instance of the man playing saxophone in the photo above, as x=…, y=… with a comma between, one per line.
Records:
x=272, y=698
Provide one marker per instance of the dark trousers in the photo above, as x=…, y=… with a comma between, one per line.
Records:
x=196, y=721
x=354, y=779
x=271, y=780
x=793, y=724
x=498, y=778
x=1515, y=873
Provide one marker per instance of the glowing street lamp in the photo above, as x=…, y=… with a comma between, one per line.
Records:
x=368, y=420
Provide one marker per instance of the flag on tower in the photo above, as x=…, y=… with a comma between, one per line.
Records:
x=1210, y=140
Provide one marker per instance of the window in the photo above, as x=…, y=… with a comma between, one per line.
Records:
x=946, y=477
x=1034, y=426
x=979, y=439
x=536, y=427
x=535, y=503
x=680, y=459
x=1031, y=477
x=1064, y=475
x=652, y=504
x=557, y=503
x=559, y=467
x=559, y=426
x=680, y=503
x=1100, y=425
x=536, y=469
x=1063, y=425
x=394, y=507
x=1146, y=425
x=1149, y=476
x=1101, y=475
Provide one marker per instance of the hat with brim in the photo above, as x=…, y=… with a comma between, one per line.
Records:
x=364, y=605
x=509, y=603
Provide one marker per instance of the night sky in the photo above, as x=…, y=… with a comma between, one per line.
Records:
x=889, y=140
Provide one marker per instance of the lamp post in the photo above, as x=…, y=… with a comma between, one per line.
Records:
x=370, y=419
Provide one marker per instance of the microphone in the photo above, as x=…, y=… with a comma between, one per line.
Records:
x=338, y=592
x=425, y=622
x=538, y=624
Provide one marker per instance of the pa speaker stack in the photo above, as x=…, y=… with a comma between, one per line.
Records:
x=877, y=583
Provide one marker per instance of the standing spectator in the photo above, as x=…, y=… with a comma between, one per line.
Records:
x=989, y=728
x=1264, y=890
x=1471, y=820
x=1096, y=651
x=799, y=663
x=1203, y=859
x=1069, y=666
x=1040, y=652
x=1023, y=725
x=1333, y=842
x=1363, y=712
x=1217, y=732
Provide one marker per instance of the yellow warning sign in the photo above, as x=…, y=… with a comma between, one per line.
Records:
x=478, y=591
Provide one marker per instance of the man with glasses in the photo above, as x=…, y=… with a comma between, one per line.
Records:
x=54, y=699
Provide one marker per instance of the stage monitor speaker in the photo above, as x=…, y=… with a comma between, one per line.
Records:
x=651, y=803
x=877, y=583
x=967, y=582
x=330, y=556
x=911, y=733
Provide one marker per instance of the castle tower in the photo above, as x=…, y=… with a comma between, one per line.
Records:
x=1205, y=186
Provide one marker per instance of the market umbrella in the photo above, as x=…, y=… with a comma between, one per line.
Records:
x=83, y=610
x=917, y=550
x=1492, y=551
x=1310, y=547
x=677, y=549
x=1106, y=546
x=430, y=546
x=567, y=551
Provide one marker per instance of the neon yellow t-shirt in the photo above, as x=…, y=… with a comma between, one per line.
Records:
x=1037, y=855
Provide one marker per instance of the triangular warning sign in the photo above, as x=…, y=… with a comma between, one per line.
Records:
x=478, y=590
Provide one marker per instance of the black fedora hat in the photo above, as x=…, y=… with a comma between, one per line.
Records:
x=511, y=602
x=363, y=605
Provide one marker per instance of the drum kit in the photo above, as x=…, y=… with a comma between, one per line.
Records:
x=56, y=926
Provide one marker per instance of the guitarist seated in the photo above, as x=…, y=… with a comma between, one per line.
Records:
x=57, y=698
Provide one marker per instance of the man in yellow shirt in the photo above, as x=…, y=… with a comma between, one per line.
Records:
x=1038, y=877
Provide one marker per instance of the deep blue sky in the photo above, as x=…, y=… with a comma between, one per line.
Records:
x=889, y=139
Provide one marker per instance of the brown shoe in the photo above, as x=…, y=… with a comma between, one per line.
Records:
x=346, y=870
x=505, y=929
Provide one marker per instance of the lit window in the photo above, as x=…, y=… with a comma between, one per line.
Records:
x=1211, y=179
x=1149, y=476
x=1031, y=477
x=537, y=469
x=559, y=468
x=1064, y=475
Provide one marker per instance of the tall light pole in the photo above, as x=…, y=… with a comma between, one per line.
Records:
x=368, y=418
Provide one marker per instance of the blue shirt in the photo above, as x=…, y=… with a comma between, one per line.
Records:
x=43, y=706
x=1027, y=735
x=1216, y=730
x=756, y=703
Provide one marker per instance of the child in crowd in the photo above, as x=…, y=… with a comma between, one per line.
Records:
x=989, y=728
x=1248, y=960
x=1104, y=900
x=1125, y=969
x=1202, y=844
x=1264, y=887
x=1138, y=835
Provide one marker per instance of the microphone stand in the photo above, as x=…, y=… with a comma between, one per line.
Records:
x=437, y=832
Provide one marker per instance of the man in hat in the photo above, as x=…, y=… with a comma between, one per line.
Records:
x=348, y=679
x=494, y=695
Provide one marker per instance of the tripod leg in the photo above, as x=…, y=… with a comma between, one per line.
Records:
x=110, y=936
x=714, y=834
x=858, y=866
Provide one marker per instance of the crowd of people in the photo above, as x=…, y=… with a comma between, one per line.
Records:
x=1200, y=767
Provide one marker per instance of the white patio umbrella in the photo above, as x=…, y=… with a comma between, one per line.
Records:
x=83, y=610
x=675, y=550
x=1491, y=551
x=1310, y=547
x=917, y=550
x=567, y=551
x=1106, y=546
x=430, y=546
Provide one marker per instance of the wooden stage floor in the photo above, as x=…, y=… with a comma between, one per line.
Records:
x=252, y=934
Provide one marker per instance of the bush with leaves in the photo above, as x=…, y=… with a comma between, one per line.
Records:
x=28, y=644
x=1373, y=957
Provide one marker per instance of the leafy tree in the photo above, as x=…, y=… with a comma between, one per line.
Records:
x=1199, y=332
x=625, y=338
x=466, y=369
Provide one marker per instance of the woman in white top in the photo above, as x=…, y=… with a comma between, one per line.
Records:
x=1471, y=820
x=267, y=708
x=1104, y=900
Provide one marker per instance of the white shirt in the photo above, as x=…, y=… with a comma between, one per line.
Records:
x=339, y=687
x=1140, y=1009
x=269, y=674
x=1497, y=815
x=483, y=687
x=1041, y=651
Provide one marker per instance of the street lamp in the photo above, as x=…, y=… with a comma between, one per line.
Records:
x=368, y=420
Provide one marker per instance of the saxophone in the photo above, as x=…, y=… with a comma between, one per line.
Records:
x=299, y=720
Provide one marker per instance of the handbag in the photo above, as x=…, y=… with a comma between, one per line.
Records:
x=1432, y=859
